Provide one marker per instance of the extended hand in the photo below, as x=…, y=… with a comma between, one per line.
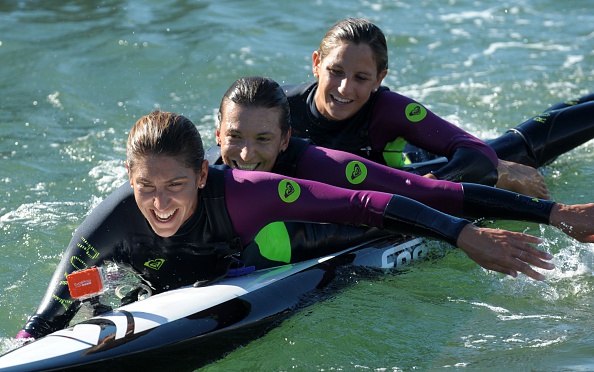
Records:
x=521, y=179
x=576, y=220
x=504, y=251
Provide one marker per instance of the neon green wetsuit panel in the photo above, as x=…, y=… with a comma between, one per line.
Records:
x=393, y=153
x=274, y=243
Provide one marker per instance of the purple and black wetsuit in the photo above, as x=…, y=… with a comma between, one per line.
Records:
x=232, y=208
x=380, y=130
x=389, y=121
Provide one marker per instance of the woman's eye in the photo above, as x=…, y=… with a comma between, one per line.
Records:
x=176, y=186
x=143, y=187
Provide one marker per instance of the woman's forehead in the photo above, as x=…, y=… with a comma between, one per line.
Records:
x=256, y=120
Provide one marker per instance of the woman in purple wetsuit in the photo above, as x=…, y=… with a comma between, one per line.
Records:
x=253, y=133
x=178, y=221
x=347, y=109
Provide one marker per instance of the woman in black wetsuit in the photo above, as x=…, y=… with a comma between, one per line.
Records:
x=178, y=221
x=347, y=109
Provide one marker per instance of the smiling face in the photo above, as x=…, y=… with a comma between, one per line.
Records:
x=346, y=78
x=250, y=137
x=166, y=191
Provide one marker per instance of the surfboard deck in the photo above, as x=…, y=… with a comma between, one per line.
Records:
x=189, y=327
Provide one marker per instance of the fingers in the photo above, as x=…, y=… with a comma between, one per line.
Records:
x=505, y=251
x=528, y=252
x=539, y=186
x=524, y=268
x=530, y=272
x=526, y=258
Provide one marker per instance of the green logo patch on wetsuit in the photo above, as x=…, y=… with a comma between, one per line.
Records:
x=288, y=191
x=356, y=172
x=274, y=242
x=154, y=264
x=415, y=112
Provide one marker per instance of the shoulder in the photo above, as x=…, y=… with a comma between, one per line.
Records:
x=217, y=175
x=393, y=106
x=120, y=196
x=286, y=162
x=387, y=96
x=299, y=144
x=298, y=90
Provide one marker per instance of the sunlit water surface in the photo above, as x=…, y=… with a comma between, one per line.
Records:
x=77, y=74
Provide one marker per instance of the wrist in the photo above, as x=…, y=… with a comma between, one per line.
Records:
x=556, y=215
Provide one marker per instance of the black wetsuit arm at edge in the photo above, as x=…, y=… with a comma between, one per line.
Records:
x=489, y=202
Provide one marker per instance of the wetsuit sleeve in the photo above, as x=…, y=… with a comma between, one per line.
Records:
x=91, y=245
x=489, y=202
x=349, y=171
x=468, y=165
x=397, y=116
x=255, y=199
x=459, y=199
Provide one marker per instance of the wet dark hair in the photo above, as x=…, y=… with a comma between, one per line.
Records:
x=258, y=92
x=357, y=31
x=165, y=133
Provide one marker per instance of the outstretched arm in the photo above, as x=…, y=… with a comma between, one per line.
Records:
x=276, y=198
x=576, y=220
x=503, y=251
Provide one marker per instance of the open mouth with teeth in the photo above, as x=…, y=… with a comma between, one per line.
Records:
x=164, y=217
x=247, y=167
x=340, y=100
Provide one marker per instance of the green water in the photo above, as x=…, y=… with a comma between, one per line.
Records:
x=75, y=75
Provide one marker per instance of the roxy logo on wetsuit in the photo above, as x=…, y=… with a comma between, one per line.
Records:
x=415, y=112
x=356, y=172
x=155, y=264
x=288, y=191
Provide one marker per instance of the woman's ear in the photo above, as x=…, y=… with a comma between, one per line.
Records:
x=315, y=64
x=218, y=137
x=380, y=78
x=285, y=141
x=203, y=175
x=129, y=173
